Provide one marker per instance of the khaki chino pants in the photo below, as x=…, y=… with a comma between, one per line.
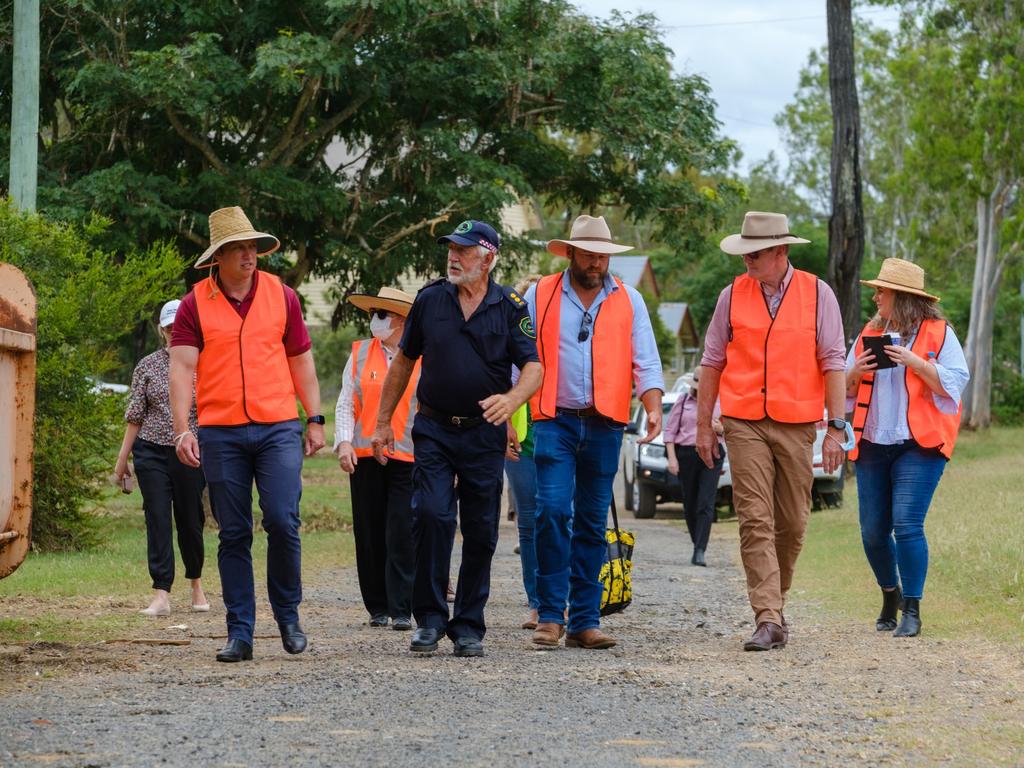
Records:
x=771, y=465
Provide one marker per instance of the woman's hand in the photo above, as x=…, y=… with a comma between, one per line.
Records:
x=673, y=462
x=905, y=356
x=121, y=469
x=863, y=363
x=347, y=459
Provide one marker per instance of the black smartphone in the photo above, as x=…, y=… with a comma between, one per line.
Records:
x=876, y=344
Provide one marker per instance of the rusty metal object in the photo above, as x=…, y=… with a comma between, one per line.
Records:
x=17, y=412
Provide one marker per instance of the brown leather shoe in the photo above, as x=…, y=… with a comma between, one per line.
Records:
x=766, y=637
x=547, y=634
x=592, y=639
x=531, y=621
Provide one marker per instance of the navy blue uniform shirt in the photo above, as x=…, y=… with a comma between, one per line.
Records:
x=466, y=361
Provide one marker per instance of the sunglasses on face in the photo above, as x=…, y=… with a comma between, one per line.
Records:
x=584, y=333
x=380, y=314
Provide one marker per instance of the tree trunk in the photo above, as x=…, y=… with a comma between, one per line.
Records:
x=846, y=226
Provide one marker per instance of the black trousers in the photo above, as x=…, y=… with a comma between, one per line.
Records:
x=382, y=526
x=169, y=486
x=699, y=485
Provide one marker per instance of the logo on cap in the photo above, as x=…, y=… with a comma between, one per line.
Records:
x=464, y=227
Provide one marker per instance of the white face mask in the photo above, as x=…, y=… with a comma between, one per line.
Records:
x=380, y=329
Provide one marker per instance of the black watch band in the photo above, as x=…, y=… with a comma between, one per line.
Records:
x=837, y=423
x=316, y=420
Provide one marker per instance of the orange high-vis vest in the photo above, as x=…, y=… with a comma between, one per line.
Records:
x=930, y=427
x=243, y=374
x=612, y=347
x=369, y=367
x=772, y=363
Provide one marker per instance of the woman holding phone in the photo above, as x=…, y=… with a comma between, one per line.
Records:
x=906, y=413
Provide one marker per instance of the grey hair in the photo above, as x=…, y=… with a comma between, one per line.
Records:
x=483, y=255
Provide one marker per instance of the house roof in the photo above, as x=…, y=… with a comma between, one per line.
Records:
x=676, y=317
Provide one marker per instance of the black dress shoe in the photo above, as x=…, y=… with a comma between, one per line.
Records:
x=379, y=620
x=886, y=621
x=235, y=650
x=424, y=640
x=698, y=557
x=468, y=646
x=910, y=623
x=401, y=623
x=292, y=637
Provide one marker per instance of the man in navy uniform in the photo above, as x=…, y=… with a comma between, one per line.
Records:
x=470, y=331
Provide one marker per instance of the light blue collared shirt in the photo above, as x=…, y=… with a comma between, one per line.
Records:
x=576, y=359
x=886, y=422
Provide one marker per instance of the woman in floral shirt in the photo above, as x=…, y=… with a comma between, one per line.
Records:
x=165, y=482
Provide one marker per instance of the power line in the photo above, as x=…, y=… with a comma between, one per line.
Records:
x=768, y=21
x=745, y=120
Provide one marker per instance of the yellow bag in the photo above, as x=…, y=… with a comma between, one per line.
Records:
x=616, y=574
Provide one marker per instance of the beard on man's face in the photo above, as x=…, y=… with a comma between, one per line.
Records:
x=589, y=277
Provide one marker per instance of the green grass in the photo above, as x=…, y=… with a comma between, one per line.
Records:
x=90, y=596
x=975, y=584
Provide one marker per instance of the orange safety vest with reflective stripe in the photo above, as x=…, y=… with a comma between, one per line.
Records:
x=772, y=363
x=612, y=346
x=369, y=367
x=930, y=427
x=243, y=375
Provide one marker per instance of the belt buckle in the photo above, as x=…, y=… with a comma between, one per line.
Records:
x=457, y=421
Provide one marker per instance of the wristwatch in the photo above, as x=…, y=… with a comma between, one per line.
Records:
x=316, y=420
x=837, y=424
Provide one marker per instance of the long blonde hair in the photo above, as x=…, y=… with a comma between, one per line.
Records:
x=908, y=311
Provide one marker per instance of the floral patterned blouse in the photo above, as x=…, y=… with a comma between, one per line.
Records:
x=149, y=404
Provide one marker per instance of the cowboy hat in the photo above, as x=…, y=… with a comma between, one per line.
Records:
x=229, y=225
x=391, y=299
x=900, y=275
x=759, y=231
x=588, y=234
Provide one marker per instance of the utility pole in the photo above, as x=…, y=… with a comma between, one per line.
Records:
x=25, y=106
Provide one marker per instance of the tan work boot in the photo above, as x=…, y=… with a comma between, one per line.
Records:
x=547, y=634
x=592, y=639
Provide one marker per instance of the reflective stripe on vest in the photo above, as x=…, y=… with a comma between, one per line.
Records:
x=772, y=363
x=369, y=368
x=242, y=375
x=611, y=345
x=930, y=427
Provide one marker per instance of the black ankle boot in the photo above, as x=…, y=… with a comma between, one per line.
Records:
x=886, y=621
x=910, y=624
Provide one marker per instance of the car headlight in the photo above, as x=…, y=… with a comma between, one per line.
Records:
x=652, y=451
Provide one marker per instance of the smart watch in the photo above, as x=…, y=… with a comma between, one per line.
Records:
x=837, y=424
x=316, y=420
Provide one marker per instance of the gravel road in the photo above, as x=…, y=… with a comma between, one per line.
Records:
x=677, y=690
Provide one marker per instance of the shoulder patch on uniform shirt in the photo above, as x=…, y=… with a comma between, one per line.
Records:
x=515, y=298
x=526, y=326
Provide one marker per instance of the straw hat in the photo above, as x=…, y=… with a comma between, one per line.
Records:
x=760, y=230
x=588, y=234
x=900, y=275
x=391, y=299
x=229, y=225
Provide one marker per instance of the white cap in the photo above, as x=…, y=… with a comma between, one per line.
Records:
x=168, y=311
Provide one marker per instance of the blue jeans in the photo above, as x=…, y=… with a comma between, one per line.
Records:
x=576, y=463
x=270, y=454
x=895, y=484
x=522, y=482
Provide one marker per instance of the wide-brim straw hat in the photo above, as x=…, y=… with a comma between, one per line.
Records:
x=760, y=230
x=391, y=299
x=901, y=275
x=229, y=225
x=588, y=234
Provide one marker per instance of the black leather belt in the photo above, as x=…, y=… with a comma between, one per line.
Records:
x=462, y=422
x=579, y=413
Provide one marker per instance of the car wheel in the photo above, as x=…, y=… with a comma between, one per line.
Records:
x=628, y=492
x=646, y=502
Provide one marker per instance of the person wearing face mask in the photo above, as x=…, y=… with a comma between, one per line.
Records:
x=381, y=493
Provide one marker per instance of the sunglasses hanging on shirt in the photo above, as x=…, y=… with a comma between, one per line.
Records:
x=584, y=333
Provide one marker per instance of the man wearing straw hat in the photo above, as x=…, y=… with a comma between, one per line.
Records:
x=774, y=353
x=381, y=493
x=469, y=332
x=240, y=333
x=595, y=342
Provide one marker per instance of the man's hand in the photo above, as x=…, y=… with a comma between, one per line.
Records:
x=383, y=442
x=314, y=438
x=187, y=450
x=707, y=445
x=514, y=448
x=653, y=426
x=832, y=453
x=499, y=408
x=347, y=458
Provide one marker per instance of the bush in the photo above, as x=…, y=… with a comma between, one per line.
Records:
x=87, y=300
x=331, y=349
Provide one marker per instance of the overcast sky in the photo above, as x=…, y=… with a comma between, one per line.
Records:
x=750, y=51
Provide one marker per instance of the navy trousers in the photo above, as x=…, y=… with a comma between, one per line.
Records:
x=232, y=458
x=463, y=464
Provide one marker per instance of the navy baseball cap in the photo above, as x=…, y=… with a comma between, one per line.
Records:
x=473, y=232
